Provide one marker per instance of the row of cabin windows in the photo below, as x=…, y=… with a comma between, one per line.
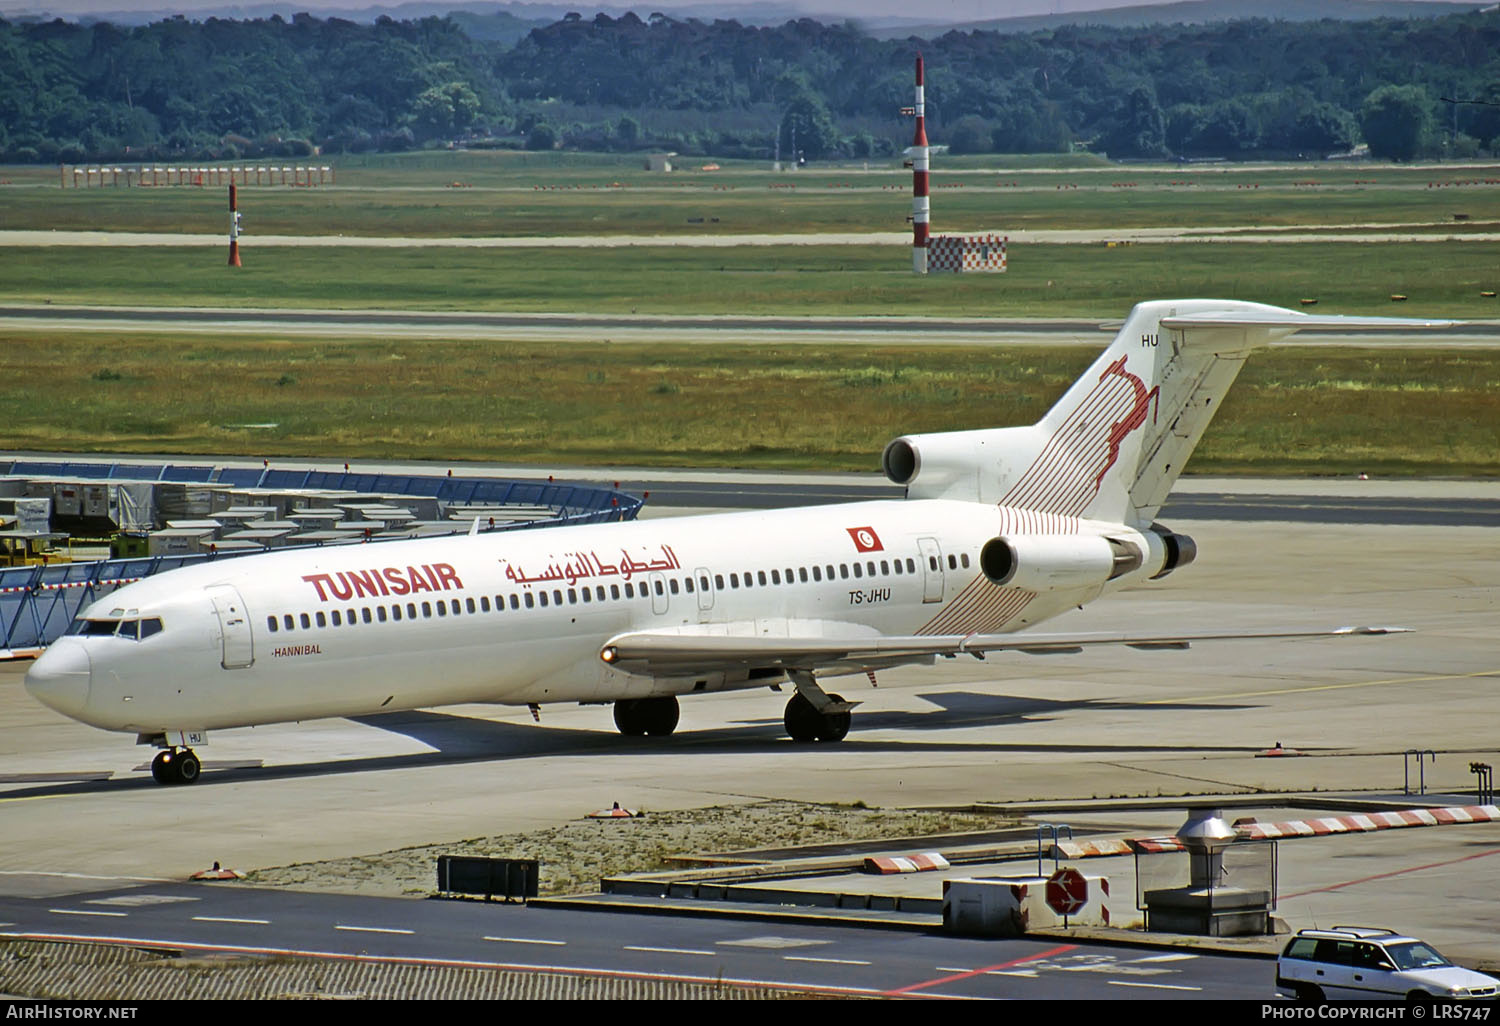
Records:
x=599, y=593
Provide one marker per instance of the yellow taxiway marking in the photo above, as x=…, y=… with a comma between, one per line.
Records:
x=1323, y=687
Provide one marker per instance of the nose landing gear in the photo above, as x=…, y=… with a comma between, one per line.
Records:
x=176, y=766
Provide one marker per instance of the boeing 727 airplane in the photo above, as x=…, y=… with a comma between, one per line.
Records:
x=1001, y=529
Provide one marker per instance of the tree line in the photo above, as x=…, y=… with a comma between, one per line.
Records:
x=223, y=89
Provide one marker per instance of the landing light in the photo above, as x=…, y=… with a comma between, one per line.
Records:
x=610, y=654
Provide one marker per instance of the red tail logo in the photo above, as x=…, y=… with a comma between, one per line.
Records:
x=1132, y=420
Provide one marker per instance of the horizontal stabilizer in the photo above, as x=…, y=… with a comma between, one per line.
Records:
x=1270, y=317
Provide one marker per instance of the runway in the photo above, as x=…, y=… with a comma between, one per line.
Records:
x=647, y=328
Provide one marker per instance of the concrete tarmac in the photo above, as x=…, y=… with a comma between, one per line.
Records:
x=1010, y=729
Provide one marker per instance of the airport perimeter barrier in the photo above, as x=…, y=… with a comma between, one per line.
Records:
x=38, y=602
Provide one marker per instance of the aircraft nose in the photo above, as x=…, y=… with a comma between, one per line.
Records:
x=60, y=678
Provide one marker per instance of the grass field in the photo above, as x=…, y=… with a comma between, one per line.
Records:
x=518, y=194
x=1296, y=411
x=1439, y=279
x=1323, y=411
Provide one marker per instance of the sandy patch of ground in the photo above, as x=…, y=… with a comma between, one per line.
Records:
x=575, y=856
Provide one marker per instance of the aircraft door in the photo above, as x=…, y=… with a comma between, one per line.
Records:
x=234, y=627
x=932, y=569
x=657, y=582
x=704, y=583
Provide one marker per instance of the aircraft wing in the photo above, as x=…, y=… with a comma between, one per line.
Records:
x=675, y=654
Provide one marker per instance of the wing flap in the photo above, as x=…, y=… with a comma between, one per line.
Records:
x=677, y=653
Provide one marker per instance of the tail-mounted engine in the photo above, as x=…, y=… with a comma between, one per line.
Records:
x=1049, y=562
x=1053, y=562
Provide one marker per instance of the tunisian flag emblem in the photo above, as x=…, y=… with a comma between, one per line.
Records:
x=865, y=539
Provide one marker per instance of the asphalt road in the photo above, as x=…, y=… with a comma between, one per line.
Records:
x=907, y=331
x=836, y=959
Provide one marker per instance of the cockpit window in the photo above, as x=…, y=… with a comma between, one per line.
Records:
x=95, y=626
x=135, y=630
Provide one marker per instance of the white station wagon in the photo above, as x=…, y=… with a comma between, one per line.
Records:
x=1364, y=963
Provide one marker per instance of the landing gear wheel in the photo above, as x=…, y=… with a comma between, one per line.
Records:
x=801, y=720
x=189, y=768
x=804, y=723
x=629, y=718
x=655, y=716
x=176, y=766
x=661, y=715
x=834, y=726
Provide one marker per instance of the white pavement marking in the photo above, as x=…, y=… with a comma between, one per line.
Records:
x=1164, y=958
x=669, y=951
x=86, y=912
x=231, y=919
x=138, y=900
x=773, y=942
x=524, y=940
x=830, y=961
x=1157, y=986
x=372, y=929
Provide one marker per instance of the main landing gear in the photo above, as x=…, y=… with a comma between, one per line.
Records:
x=813, y=714
x=176, y=766
x=654, y=716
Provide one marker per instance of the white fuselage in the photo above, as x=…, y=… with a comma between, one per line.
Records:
x=520, y=617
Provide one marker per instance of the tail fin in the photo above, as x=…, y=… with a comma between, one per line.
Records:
x=1113, y=445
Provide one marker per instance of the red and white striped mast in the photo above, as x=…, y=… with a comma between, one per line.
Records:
x=919, y=202
x=234, y=228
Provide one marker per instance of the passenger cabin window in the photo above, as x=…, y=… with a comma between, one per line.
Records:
x=288, y=620
x=306, y=620
x=271, y=624
x=322, y=620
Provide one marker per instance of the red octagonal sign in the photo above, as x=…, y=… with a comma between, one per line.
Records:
x=1067, y=891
